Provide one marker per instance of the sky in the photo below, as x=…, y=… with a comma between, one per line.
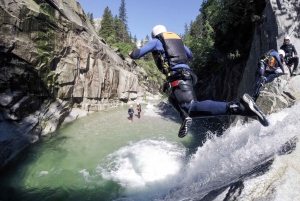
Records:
x=143, y=15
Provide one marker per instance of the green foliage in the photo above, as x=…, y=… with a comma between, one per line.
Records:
x=148, y=57
x=123, y=47
x=153, y=72
x=114, y=30
x=220, y=36
x=111, y=39
x=118, y=28
x=135, y=39
x=186, y=29
x=91, y=18
x=197, y=27
x=107, y=25
x=122, y=14
x=147, y=38
x=124, y=36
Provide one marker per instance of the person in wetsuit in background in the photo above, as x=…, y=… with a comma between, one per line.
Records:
x=171, y=56
x=268, y=69
x=291, y=55
x=139, y=109
x=130, y=112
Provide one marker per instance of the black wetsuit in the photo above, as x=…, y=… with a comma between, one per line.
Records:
x=289, y=49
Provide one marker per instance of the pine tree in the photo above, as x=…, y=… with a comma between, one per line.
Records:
x=147, y=57
x=124, y=27
x=134, y=42
x=118, y=28
x=196, y=27
x=107, y=25
x=122, y=14
x=91, y=18
x=147, y=38
x=186, y=29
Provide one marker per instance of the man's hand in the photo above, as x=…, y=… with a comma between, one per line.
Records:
x=129, y=53
x=296, y=56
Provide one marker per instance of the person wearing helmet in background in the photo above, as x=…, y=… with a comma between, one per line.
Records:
x=291, y=55
x=130, y=112
x=270, y=66
x=172, y=58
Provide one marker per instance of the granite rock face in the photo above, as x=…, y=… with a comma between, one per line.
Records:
x=51, y=59
x=279, y=18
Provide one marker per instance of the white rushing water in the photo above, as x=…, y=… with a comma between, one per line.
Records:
x=105, y=157
x=156, y=169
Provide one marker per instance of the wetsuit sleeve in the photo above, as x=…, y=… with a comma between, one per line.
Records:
x=276, y=55
x=189, y=53
x=294, y=50
x=148, y=47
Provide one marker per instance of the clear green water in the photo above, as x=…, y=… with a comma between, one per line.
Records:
x=102, y=156
x=105, y=157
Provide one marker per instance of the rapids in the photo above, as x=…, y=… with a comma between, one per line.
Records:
x=103, y=156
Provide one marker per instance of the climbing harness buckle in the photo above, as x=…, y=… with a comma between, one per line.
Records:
x=174, y=83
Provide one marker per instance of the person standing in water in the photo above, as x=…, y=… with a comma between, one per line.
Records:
x=139, y=109
x=130, y=113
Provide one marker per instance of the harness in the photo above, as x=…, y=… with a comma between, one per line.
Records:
x=182, y=76
x=268, y=59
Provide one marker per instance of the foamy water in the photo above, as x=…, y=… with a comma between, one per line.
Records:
x=219, y=162
x=104, y=157
x=144, y=162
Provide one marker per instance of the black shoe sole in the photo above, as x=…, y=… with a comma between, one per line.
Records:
x=254, y=108
x=185, y=127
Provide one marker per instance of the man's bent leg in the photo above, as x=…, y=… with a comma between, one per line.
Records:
x=208, y=108
x=185, y=126
x=186, y=120
x=245, y=107
x=260, y=84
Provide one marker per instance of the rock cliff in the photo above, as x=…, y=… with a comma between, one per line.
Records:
x=51, y=59
x=278, y=19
